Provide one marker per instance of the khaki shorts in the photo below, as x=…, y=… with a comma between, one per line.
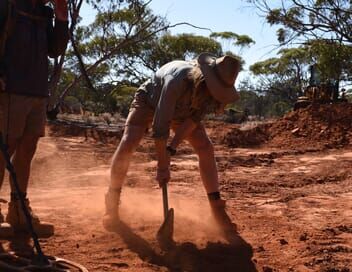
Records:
x=141, y=114
x=22, y=115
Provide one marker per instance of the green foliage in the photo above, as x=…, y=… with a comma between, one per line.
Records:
x=288, y=73
x=123, y=96
x=285, y=73
x=327, y=19
x=239, y=40
x=234, y=39
x=332, y=58
x=266, y=67
x=244, y=40
x=266, y=105
x=123, y=46
x=172, y=47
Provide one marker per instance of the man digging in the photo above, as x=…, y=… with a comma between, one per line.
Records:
x=28, y=37
x=178, y=96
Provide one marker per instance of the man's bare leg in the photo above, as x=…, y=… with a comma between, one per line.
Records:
x=11, y=145
x=207, y=164
x=119, y=167
x=123, y=154
x=209, y=175
x=22, y=160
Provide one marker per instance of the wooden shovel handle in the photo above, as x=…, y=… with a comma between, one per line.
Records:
x=165, y=200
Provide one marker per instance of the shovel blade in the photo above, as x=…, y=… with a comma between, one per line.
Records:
x=166, y=231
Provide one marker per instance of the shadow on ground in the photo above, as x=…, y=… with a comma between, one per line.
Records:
x=187, y=257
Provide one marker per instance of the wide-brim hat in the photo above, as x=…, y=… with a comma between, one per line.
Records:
x=220, y=75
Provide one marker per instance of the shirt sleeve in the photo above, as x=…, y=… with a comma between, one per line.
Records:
x=165, y=108
x=57, y=38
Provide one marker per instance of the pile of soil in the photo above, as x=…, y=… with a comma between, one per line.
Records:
x=315, y=127
x=247, y=138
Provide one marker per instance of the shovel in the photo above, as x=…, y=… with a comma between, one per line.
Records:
x=166, y=231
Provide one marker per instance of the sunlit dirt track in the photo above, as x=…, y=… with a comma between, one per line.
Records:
x=293, y=208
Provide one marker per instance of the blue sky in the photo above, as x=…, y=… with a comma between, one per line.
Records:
x=221, y=15
x=218, y=15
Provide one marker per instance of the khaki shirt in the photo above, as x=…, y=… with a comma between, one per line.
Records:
x=170, y=95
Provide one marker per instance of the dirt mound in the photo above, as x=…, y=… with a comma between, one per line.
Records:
x=318, y=126
x=102, y=133
x=315, y=127
x=247, y=138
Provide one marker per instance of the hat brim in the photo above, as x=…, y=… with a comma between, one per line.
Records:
x=223, y=94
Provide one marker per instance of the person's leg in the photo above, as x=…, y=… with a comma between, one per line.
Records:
x=136, y=125
x=34, y=128
x=209, y=175
x=122, y=156
x=11, y=146
x=22, y=160
x=12, y=122
x=207, y=164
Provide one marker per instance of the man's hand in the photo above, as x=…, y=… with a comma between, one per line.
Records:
x=163, y=176
x=163, y=172
x=2, y=85
x=61, y=12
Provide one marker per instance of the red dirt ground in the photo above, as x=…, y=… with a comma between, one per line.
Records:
x=288, y=186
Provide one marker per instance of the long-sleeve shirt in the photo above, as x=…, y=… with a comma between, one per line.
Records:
x=170, y=95
x=32, y=39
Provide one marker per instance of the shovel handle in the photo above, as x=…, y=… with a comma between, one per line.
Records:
x=165, y=200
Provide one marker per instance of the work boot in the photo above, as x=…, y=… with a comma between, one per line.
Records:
x=111, y=217
x=228, y=228
x=16, y=218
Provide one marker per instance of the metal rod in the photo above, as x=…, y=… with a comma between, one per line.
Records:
x=42, y=259
x=165, y=200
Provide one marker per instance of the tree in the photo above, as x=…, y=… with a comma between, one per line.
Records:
x=119, y=25
x=233, y=39
x=333, y=59
x=122, y=47
x=323, y=28
x=284, y=75
x=313, y=19
x=172, y=47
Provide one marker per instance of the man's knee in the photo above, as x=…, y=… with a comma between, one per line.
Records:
x=129, y=142
x=204, y=146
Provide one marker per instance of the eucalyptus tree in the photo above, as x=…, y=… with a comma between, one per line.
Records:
x=98, y=50
x=309, y=19
x=322, y=28
x=231, y=39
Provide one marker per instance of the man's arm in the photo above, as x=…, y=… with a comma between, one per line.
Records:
x=58, y=35
x=161, y=126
